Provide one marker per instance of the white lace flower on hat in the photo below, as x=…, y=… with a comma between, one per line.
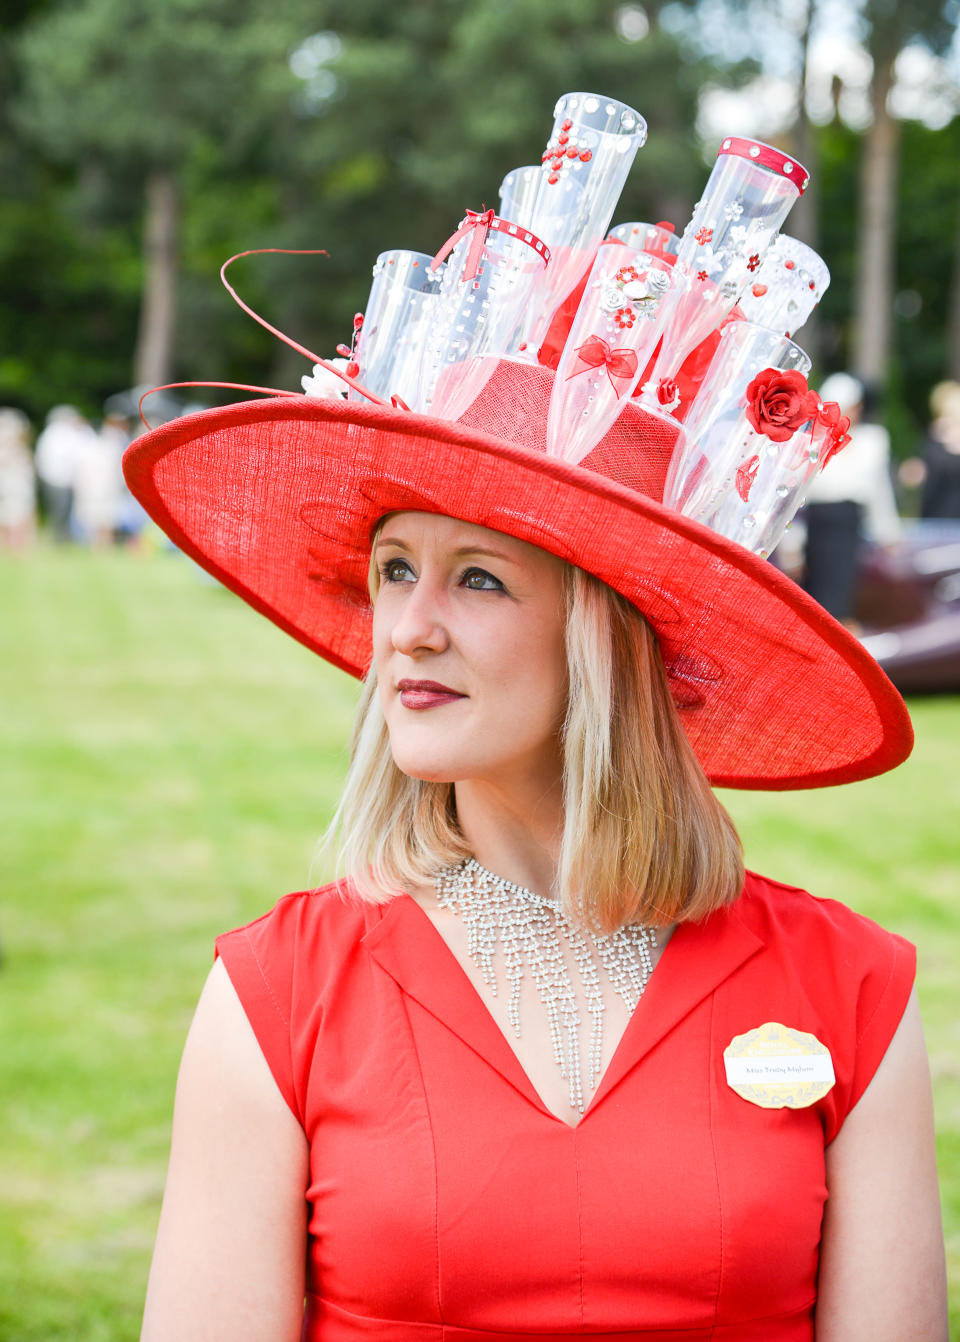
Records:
x=323, y=383
x=739, y=234
x=709, y=260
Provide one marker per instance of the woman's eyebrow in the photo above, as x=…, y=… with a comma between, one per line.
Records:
x=459, y=553
x=484, y=550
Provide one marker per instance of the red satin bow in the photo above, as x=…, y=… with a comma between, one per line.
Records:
x=621, y=364
x=479, y=225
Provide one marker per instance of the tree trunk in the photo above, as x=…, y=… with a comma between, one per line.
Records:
x=873, y=301
x=153, y=357
x=803, y=222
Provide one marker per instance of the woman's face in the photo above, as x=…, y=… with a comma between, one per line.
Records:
x=468, y=641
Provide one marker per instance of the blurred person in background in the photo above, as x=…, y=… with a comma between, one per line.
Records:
x=17, y=483
x=130, y=518
x=940, y=495
x=851, y=501
x=66, y=436
x=98, y=483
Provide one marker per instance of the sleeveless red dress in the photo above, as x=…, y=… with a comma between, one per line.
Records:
x=447, y=1204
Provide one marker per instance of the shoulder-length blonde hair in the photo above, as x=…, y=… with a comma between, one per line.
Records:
x=644, y=837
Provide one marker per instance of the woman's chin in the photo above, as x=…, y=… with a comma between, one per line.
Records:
x=427, y=770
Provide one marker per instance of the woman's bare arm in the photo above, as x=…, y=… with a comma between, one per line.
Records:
x=230, y=1251
x=882, y=1273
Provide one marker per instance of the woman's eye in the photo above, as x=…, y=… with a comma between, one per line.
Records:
x=395, y=570
x=478, y=580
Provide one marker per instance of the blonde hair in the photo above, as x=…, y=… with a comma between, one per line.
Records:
x=945, y=400
x=644, y=837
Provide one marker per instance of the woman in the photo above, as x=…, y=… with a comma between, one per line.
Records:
x=547, y=1062
x=368, y=1115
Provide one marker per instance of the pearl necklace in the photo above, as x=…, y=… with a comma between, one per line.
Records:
x=505, y=921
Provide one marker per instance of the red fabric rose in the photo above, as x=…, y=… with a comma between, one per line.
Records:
x=836, y=437
x=779, y=401
x=667, y=391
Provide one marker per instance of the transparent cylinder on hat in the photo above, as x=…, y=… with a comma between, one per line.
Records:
x=612, y=339
x=789, y=284
x=658, y=239
x=771, y=488
x=485, y=285
x=719, y=438
x=520, y=202
x=397, y=319
x=585, y=164
x=747, y=197
x=518, y=194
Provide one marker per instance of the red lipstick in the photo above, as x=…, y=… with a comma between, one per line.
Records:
x=426, y=693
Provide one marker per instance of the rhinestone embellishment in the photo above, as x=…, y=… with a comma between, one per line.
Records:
x=511, y=930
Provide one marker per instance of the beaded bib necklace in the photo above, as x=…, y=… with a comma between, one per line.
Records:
x=511, y=929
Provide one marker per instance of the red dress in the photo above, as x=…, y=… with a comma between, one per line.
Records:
x=447, y=1204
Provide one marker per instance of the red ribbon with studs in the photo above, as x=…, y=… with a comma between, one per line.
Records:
x=477, y=226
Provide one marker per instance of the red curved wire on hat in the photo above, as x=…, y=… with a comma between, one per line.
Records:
x=232, y=386
x=288, y=340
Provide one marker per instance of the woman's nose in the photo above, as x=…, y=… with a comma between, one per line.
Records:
x=419, y=626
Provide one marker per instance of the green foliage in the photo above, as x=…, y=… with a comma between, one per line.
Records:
x=928, y=204
x=137, y=83
x=70, y=289
x=890, y=25
x=412, y=113
x=421, y=112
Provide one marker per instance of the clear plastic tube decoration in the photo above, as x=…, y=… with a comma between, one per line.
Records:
x=718, y=439
x=612, y=339
x=747, y=197
x=518, y=194
x=520, y=202
x=769, y=489
x=657, y=239
x=397, y=320
x=585, y=164
x=789, y=284
x=477, y=317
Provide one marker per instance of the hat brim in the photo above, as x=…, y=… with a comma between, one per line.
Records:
x=278, y=500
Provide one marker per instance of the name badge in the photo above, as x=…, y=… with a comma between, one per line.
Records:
x=776, y=1067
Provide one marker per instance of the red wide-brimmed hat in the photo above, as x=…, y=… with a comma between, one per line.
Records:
x=278, y=499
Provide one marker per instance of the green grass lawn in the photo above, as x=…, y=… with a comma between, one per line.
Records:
x=167, y=763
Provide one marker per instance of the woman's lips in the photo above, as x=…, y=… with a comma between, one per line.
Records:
x=426, y=694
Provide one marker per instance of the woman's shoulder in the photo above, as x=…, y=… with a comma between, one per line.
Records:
x=837, y=974
x=309, y=936
x=289, y=964
x=851, y=970
x=787, y=915
x=336, y=911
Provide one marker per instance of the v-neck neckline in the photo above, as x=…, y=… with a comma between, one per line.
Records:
x=407, y=944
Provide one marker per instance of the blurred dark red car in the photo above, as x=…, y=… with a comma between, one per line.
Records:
x=908, y=603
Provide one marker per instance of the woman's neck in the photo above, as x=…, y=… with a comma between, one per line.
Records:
x=514, y=832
